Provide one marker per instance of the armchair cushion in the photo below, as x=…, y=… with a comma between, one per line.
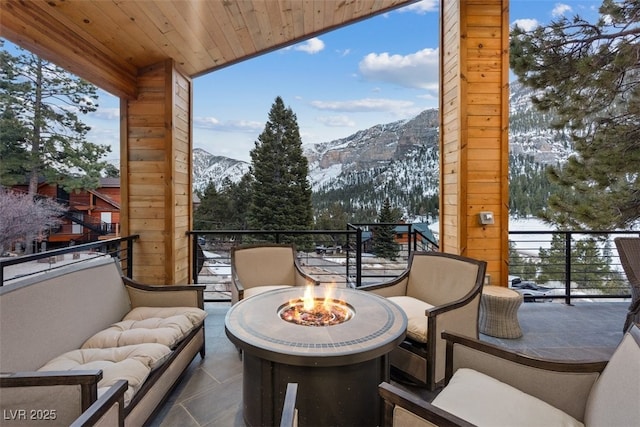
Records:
x=472, y=396
x=417, y=320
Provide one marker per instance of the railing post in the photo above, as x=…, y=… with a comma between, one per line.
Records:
x=358, y=257
x=567, y=268
x=130, y=258
x=194, y=259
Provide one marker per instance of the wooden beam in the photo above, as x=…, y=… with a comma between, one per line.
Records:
x=37, y=27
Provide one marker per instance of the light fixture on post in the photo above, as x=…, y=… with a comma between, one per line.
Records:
x=485, y=218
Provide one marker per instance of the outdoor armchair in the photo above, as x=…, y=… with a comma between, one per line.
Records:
x=629, y=252
x=437, y=291
x=489, y=385
x=257, y=268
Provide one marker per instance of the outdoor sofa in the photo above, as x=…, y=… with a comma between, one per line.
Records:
x=85, y=344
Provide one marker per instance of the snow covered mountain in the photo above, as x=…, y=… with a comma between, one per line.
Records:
x=399, y=160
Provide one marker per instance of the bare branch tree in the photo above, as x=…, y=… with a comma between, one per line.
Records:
x=22, y=215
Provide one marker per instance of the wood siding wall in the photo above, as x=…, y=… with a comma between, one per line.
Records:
x=474, y=142
x=156, y=153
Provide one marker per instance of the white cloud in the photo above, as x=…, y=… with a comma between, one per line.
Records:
x=421, y=7
x=310, y=46
x=526, y=24
x=336, y=121
x=417, y=70
x=106, y=113
x=228, y=126
x=560, y=9
x=363, y=105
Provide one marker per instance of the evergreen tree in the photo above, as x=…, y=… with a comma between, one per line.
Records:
x=12, y=149
x=384, y=244
x=589, y=75
x=332, y=218
x=226, y=208
x=41, y=102
x=552, y=261
x=281, y=192
x=211, y=211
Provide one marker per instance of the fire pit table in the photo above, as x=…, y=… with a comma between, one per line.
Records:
x=337, y=358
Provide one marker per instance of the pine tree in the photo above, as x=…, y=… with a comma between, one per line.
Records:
x=588, y=74
x=384, y=243
x=211, y=211
x=44, y=102
x=12, y=149
x=552, y=260
x=281, y=192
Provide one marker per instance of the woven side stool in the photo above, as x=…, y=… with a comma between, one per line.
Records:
x=499, y=312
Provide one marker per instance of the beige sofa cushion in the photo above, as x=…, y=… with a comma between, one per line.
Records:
x=615, y=397
x=485, y=401
x=416, y=320
x=195, y=315
x=169, y=331
x=131, y=363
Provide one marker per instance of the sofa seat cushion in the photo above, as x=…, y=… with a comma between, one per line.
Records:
x=260, y=289
x=132, y=363
x=416, y=319
x=195, y=315
x=472, y=396
x=168, y=331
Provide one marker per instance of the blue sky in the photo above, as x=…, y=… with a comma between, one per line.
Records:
x=377, y=71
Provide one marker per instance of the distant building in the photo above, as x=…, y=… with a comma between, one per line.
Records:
x=92, y=214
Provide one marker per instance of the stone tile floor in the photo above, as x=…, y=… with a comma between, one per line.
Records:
x=210, y=393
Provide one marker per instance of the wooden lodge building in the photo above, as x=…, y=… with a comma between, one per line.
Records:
x=92, y=214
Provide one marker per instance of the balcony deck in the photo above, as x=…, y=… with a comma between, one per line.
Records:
x=210, y=394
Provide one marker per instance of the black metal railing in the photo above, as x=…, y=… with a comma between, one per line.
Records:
x=332, y=256
x=563, y=265
x=576, y=268
x=121, y=248
x=567, y=265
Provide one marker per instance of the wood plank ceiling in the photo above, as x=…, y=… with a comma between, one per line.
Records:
x=106, y=42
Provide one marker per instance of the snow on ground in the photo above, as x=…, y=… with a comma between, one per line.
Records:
x=216, y=268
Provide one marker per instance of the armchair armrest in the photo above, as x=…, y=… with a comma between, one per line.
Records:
x=59, y=396
x=289, y=412
x=144, y=295
x=391, y=288
x=396, y=397
x=563, y=384
x=302, y=277
x=107, y=411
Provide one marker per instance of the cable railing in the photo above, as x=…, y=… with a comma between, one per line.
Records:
x=543, y=265
x=567, y=265
x=42, y=262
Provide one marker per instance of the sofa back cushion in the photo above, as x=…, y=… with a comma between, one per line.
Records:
x=614, y=398
x=48, y=314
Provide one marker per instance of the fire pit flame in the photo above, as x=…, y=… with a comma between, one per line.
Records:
x=312, y=311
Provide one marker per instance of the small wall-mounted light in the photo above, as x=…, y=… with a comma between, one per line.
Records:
x=485, y=218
